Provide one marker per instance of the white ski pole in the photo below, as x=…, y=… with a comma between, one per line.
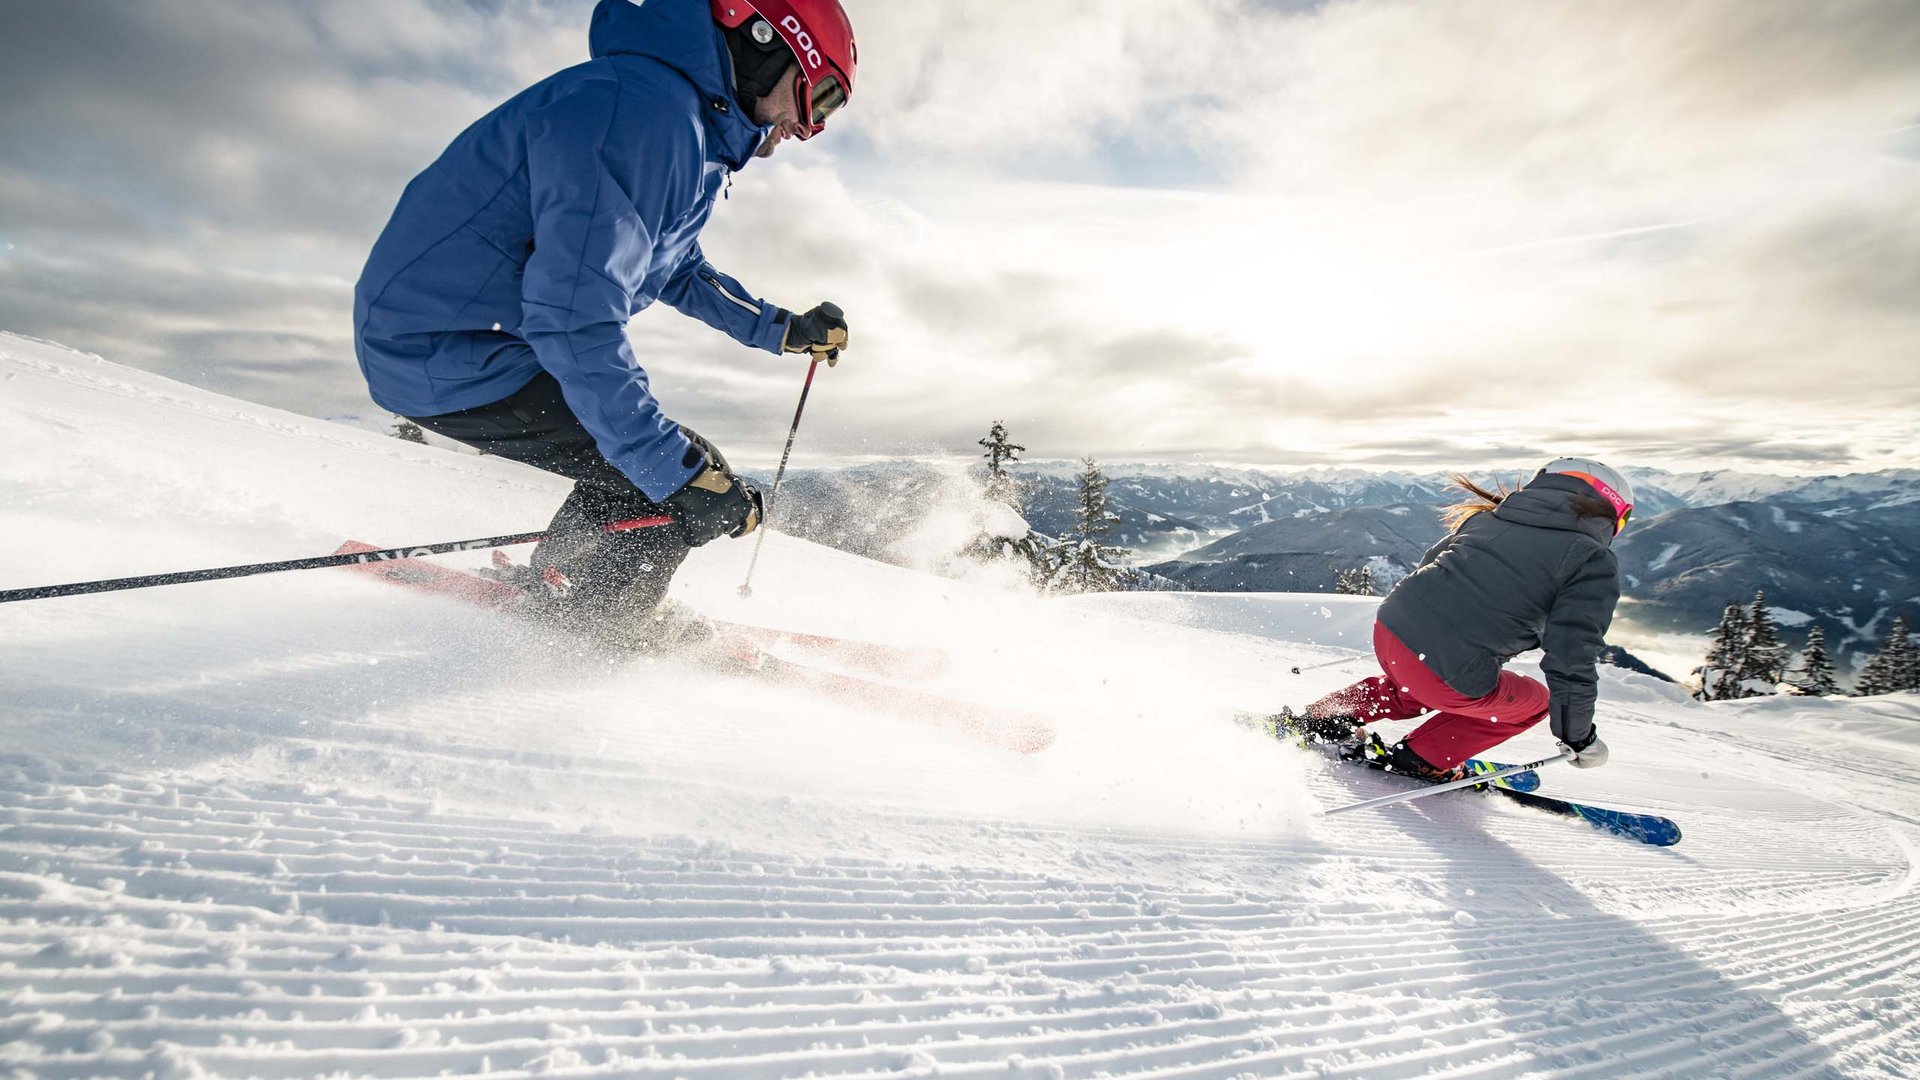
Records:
x=1421, y=793
x=1297, y=669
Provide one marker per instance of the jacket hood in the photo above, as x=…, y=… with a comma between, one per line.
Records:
x=682, y=35
x=1547, y=502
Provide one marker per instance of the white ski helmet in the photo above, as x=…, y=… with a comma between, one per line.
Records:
x=1607, y=481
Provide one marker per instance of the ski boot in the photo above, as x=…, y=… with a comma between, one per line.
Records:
x=1288, y=725
x=628, y=621
x=508, y=572
x=1400, y=759
x=667, y=628
x=1337, y=730
x=671, y=628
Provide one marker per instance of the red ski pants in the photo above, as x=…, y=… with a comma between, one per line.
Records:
x=1465, y=726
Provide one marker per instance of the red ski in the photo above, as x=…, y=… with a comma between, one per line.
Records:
x=810, y=660
x=893, y=661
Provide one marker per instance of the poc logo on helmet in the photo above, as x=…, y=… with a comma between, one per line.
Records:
x=803, y=39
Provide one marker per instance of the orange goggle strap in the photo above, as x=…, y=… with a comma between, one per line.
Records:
x=1622, y=509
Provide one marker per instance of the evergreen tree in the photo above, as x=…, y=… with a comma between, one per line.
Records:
x=1001, y=451
x=1765, y=660
x=1726, y=655
x=1816, y=667
x=1906, y=667
x=1066, y=564
x=1902, y=664
x=1037, y=554
x=407, y=431
x=1729, y=685
x=1893, y=668
x=1356, y=582
x=1874, y=679
x=1091, y=564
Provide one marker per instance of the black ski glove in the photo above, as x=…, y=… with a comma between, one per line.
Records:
x=821, y=333
x=701, y=446
x=715, y=503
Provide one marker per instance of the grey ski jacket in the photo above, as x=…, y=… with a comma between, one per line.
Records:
x=1531, y=573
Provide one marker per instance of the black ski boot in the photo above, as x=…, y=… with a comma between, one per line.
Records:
x=635, y=622
x=670, y=628
x=1400, y=758
x=1307, y=730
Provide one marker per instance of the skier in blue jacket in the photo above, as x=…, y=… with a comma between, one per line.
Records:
x=493, y=307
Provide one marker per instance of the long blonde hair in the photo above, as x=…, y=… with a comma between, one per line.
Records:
x=1478, y=501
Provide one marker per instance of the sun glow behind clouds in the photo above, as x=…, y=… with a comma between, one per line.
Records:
x=1450, y=222
x=1211, y=265
x=1143, y=322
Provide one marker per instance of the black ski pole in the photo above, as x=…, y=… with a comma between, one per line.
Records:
x=43, y=592
x=746, y=586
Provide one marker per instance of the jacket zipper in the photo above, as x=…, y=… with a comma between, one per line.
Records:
x=722, y=290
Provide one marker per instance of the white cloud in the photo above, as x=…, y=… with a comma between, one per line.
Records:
x=1253, y=230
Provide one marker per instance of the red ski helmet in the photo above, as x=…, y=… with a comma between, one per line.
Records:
x=821, y=37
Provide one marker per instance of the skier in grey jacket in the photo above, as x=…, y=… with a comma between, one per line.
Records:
x=1530, y=569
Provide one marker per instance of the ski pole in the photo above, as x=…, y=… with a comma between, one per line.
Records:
x=1297, y=669
x=746, y=586
x=80, y=588
x=1409, y=796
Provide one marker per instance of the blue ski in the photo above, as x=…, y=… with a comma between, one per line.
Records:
x=1520, y=782
x=1646, y=828
x=1285, y=726
x=1520, y=787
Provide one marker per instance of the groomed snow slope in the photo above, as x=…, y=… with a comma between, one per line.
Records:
x=313, y=826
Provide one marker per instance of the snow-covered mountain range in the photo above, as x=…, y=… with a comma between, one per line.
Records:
x=1841, y=552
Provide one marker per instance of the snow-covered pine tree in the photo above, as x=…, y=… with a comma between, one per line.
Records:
x=1092, y=565
x=1765, y=660
x=1355, y=582
x=1716, y=658
x=1874, y=679
x=1730, y=684
x=407, y=431
x=1816, y=667
x=1906, y=666
x=1004, y=535
x=1001, y=451
x=1892, y=668
x=1726, y=655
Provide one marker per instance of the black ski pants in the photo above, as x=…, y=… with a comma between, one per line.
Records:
x=535, y=426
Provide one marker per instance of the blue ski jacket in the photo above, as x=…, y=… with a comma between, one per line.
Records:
x=553, y=220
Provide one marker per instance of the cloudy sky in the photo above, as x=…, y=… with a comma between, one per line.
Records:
x=1422, y=233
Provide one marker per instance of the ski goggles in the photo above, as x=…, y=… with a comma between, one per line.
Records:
x=816, y=100
x=1622, y=509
